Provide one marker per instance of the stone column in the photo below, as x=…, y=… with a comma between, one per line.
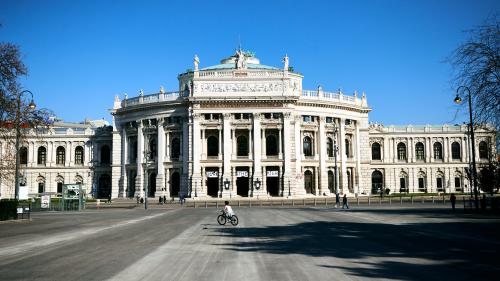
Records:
x=234, y=143
x=280, y=146
x=124, y=148
x=299, y=181
x=323, y=175
x=185, y=153
x=287, y=155
x=411, y=150
x=203, y=146
x=263, y=144
x=167, y=144
x=257, y=150
x=160, y=176
x=316, y=176
x=196, y=149
x=116, y=165
x=220, y=144
x=359, y=178
x=227, y=153
x=250, y=145
x=139, y=181
x=343, y=158
x=446, y=147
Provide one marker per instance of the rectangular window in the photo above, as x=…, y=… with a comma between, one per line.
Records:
x=59, y=187
x=402, y=184
x=439, y=183
x=421, y=183
x=329, y=119
x=306, y=118
x=458, y=183
x=41, y=187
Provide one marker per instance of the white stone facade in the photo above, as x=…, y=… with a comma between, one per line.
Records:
x=238, y=123
x=66, y=153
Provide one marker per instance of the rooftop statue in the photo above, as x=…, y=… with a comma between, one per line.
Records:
x=285, y=61
x=240, y=59
x=196, y=62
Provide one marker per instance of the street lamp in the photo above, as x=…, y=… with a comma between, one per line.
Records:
x=458, y=100
x=31, y=106
x=227, y=184
x=257, y=186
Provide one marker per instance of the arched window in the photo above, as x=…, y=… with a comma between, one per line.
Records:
x=376, y=151
x=105, y=155
x=377, y=182
x=347, y=148
x=242, y=146
x=175, y=148
x=439, y=181
x=329, y=147
x=134, y=151
x=455, y=151
x=79, y=155
x=271, y=145
x=60, y=155
x=41, y=184
x=307, y=146
x=421, y=182
x=438, y=151
x=419, y=151
x=23, y=155
x=42, y=155
x=212, y=146
x=401, y=151
x=483, y=150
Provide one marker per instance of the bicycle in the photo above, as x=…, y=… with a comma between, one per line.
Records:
x=223, y=217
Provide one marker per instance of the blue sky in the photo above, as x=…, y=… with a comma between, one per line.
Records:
x=80, y=54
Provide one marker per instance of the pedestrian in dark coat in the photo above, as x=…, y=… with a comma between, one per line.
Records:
x=453, y=200
x=344, y=202
x=337, y=199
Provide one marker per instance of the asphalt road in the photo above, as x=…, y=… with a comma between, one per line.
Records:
x=395, y=243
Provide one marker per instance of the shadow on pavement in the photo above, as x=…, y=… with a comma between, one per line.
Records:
x=425, y=251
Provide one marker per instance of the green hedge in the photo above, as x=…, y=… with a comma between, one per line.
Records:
x=8, y=209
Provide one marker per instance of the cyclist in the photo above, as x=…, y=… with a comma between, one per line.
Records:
x=228, y=210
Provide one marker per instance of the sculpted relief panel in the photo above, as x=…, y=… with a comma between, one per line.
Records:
x=238, y=87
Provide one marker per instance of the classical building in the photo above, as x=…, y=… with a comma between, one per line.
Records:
x=66, y=153
x=241, y=128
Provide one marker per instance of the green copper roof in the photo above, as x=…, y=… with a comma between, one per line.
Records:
x=232, y=66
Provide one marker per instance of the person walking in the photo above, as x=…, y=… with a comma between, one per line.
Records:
x=337, y=199
x=453, y=200
x=344, y=202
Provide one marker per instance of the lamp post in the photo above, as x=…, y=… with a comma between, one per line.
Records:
x=257, y=186
x=31, y=106
x=289, y=194
x=227, y=184
x=458, y=100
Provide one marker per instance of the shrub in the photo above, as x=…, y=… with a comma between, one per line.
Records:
x=8, y=209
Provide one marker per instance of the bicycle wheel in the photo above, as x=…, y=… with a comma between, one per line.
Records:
x=221, y=219
x=234, y=220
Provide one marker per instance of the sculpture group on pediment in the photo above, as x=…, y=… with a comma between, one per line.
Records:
x=240, y=87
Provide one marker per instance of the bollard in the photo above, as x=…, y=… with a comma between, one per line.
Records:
x=293, y=203
x=411, y=200
x=194, y=204
x=390, y=200
x=423, y=200
x=369, y=201
x=304, y=202
x=380, y=201
x=401, y=200
x=432, y=197
x=357, y=200
x=238, y=203
x=206, y=205
x=250, y=205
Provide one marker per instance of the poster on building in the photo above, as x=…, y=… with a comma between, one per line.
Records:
x=241, y=174
x=45, y=201
x=272, y=173
x=71, y=191
x=212, y=174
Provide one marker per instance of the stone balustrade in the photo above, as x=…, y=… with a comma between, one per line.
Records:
x=329, y=96
x=157, y=97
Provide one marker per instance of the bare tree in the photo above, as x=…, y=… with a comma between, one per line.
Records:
x=476, y=64
x=16, y=116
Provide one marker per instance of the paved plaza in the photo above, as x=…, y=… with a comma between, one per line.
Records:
x=312, y=243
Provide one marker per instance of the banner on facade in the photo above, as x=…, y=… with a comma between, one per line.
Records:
x=212, y=174
x=241, y=174
x=71, y=191
x=272, y=173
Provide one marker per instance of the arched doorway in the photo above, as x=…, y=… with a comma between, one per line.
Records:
x=308, y=182
x=152, y=184
x=175, y=184
x=377, y=182
x=104, y=187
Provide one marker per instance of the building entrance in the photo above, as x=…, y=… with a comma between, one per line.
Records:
x=242, y=186
x=212, y=182
x=174, y=184
x=273, y=182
